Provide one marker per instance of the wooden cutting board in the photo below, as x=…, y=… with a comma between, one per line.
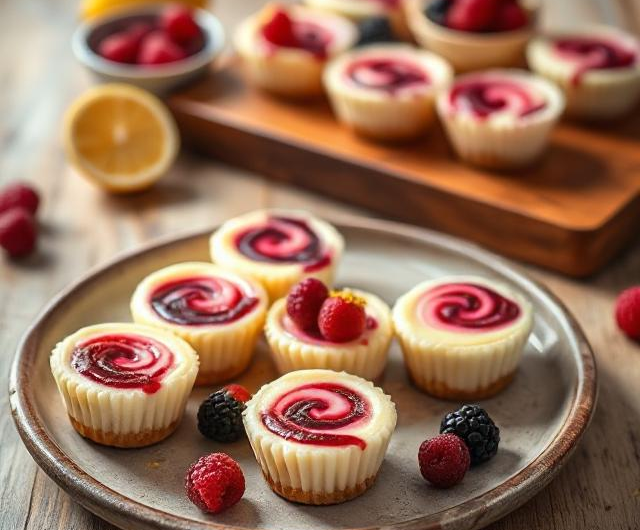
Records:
x=573, y=211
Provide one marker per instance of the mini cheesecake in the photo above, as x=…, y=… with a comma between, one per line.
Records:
x=598, y=69
x=220, y=313
x=360, y=10
x=293, y=348
x=470, y=51
x=319, y=436
x=124, y=385
x=284, y=48
x=386, y=91
x=500, y=118
x=278, y=248
x=462, y=337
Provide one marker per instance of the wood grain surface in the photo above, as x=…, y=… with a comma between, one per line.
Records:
x=572, y=211
x=81, y=227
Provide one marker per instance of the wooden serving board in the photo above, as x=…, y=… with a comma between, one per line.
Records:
x=572, y=211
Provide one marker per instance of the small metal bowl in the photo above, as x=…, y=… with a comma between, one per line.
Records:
x=157, y=78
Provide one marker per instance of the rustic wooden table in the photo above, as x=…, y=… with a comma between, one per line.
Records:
x=81, y=227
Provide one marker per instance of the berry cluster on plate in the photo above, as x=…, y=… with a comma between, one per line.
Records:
x=171, y=36
x=126, y=384
x=361, y=54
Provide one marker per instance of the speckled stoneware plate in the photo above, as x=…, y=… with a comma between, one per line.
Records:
x=542, y=414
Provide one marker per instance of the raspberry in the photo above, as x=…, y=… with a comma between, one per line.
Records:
x=214, y=482
x=510, y=16
x=138, y=31
x=19, y=194
x=279, y=30
x=628, y=312
x=444, y=460
x=342, y=317
x=304, y=302
x=119, y=47
x=471, y=15
x=220, y=415
x=18, y=231
x=158, y=48
x=179, y=24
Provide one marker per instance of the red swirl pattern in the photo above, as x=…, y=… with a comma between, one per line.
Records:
x=483, y=97
x=204, y=300
x=389, y=75
x=311, y=414
x=466, y=307
x=283, y=240
x=594, y=54
x=123, y=361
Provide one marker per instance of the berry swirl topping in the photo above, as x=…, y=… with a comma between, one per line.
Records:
x=591, y=53
x=312, y=414
x=202, y=300
x=390, y=75
x=466, y=307
x=283, y=240
x=484, y=97
x=123, y=361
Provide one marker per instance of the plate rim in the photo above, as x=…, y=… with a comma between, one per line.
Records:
x=477, y=512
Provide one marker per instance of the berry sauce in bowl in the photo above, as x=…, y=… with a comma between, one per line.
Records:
x=201, y=301
x=123, y=360
x=315, y=414
x=286, y=241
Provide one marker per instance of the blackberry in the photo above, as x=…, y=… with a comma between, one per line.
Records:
x=476, y=428
x=376, y=29
x=437, y=11
x=220, y=415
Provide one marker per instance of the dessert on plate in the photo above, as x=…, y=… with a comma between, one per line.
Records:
x=386, y=91
x=284, y=48
x=347, y=330
x=462, y=336
x=361, y=10
x=124, y=385
x=500, y=118
x=219, y=312
x=278, y=248
x=598, y=69
x=319, y=436
x=474, y=34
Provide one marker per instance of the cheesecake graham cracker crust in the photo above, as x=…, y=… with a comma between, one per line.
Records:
x=132, y=439
x=441, y=390
x=319, y=498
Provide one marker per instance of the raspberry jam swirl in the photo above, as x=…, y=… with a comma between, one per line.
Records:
x=387, y=74
x=313, y=336
x=312, y=414
x=201, y=301
x=466, y=307
x=123, y=361
x=284, y=240
x=594, y=54
x=484, y=97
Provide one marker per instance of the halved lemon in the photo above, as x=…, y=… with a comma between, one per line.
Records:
x=120, y=137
